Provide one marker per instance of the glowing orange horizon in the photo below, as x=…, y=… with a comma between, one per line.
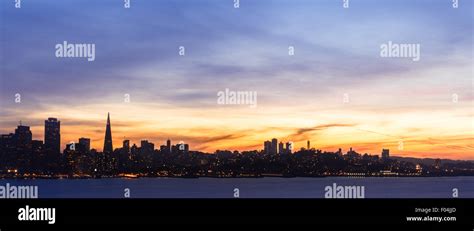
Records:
x=242, y=132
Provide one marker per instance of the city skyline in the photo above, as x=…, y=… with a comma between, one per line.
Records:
x=21, y=156
x=273, y=146
x=336, y=90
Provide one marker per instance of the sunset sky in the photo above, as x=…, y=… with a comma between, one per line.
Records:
x=300, y=97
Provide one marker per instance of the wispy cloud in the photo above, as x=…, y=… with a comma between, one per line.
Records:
x=336, y=53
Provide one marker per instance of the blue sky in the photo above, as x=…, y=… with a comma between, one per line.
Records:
x=336, y=51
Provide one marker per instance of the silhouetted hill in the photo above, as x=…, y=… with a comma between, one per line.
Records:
x=427, y=161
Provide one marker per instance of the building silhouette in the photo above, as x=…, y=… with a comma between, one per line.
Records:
x=52, y=135
x=146, y=145
x=22, y=137
x=267, y=146
x=22, y=140
x=288, y=147
x=168, y=146
x=281, y=149
x=126, y=146
x=108, y=148
x=85, y=143
x=274, y=146
x=385, y=154
x=20, y=156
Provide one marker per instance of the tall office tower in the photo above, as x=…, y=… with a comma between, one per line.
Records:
x=267, y=146
x=22, y=137
x=108, y=137
x=309, y=146
x=52, y=135
x=22, y=140
x=168, y=146
x=85, y=143
x=385, y=154
x=289, y=147
x=281, y=149
x=126, y=145
x=274, y=146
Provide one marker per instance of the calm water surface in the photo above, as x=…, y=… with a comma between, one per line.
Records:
x=407, y=187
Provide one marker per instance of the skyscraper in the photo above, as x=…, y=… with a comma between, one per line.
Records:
x=108, y=137
x=267, y=146
x=23, y=137
x=85, y=143
x=289, y=147
x=281, y=148
x=168, y=146
x=385, y=154
x=274, y=146
x=126, y=145
x=52, y=135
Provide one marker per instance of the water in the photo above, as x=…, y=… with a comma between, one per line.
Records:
x=406, y=187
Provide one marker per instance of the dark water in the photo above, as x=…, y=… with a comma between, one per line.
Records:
x=413, y=187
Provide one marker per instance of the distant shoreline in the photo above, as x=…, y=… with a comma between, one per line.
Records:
x=216, y=177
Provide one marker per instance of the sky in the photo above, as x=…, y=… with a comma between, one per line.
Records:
x=393, y=103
